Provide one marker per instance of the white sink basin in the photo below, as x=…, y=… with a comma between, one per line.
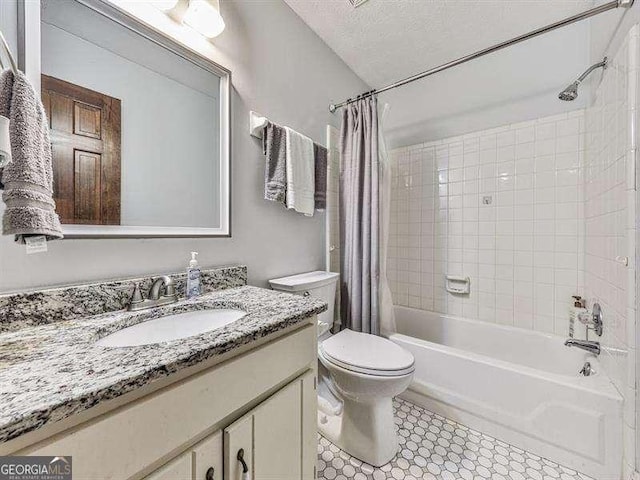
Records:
x=171, y=327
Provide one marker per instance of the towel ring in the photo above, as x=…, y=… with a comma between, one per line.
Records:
x=7, y=50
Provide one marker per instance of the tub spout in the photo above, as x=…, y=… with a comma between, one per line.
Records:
x=589, y=346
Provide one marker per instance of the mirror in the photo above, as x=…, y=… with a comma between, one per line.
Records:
x=139, y=126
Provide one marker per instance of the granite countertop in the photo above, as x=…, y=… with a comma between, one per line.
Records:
x=50, y=372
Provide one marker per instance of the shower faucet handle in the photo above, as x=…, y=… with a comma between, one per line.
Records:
x=593, y=319
x=596, y=319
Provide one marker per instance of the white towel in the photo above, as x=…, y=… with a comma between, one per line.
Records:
x=301, y=178
x=5, y=143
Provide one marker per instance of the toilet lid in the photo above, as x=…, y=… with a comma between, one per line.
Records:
x=365, y=353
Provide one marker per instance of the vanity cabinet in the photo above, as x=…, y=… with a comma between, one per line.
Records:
x=277, y=438
x=177, y=469
x=262, y=399
x=202, y=462
x=207, y=458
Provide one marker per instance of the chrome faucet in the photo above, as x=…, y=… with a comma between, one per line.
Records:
x=593, y=321
x=162, y=292
x=588, y=345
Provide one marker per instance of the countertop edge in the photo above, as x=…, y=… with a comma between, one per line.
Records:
x=36, y=419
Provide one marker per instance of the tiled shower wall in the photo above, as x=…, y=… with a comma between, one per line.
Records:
x=503, y=207
x=610, y=201
x=533, y=213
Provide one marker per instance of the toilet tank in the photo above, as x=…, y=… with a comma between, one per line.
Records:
x=319, y=284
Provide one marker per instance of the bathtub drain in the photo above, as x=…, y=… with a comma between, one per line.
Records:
x=587, y=370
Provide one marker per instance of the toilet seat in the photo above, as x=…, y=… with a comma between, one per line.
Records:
x=367, y=354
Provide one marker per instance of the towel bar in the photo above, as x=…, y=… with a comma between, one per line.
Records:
x=256, y=123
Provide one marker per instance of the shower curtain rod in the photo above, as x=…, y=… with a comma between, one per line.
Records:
x=567, y=21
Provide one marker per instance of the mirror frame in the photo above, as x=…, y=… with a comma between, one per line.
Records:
x=29, y=61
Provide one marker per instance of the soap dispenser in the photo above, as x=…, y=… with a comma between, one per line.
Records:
x=193, y=277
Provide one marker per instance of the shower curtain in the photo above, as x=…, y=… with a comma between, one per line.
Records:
x=363, y=174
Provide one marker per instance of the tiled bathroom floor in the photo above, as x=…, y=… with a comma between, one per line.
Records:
x=433, y=447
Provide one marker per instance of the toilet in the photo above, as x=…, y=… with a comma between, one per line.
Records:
x=358, y=376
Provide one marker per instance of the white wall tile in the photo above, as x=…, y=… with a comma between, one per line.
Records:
x=609, y=204
x=507, y=247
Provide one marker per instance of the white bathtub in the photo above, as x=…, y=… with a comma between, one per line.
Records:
x=518, y=385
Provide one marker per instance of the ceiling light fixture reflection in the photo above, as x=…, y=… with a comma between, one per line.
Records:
x=204, y=17
x=164, y=5
x=201, y=15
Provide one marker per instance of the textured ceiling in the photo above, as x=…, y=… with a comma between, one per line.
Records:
x=386, y=40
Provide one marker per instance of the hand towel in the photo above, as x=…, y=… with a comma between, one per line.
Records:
x=320, y=156
x=275, y=174
x=28, y=179
x=5, y=143
x=300, y=172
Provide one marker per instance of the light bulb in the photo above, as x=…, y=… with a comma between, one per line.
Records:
x=204, y=17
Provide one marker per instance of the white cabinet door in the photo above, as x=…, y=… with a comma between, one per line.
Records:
x=207, y=458
x=278, y=437
x=177, y=469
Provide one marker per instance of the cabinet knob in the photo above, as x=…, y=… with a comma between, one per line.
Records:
x=210, y=473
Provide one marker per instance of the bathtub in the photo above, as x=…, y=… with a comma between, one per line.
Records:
x=520, y=386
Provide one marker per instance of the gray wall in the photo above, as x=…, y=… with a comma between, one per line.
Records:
x=281, y=69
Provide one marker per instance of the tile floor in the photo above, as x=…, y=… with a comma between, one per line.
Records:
x=433, y=447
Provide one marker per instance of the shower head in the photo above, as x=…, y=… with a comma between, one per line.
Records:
x=571, y=92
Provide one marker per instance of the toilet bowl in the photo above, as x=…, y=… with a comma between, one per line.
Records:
x=367, y=372
x=358, y=376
